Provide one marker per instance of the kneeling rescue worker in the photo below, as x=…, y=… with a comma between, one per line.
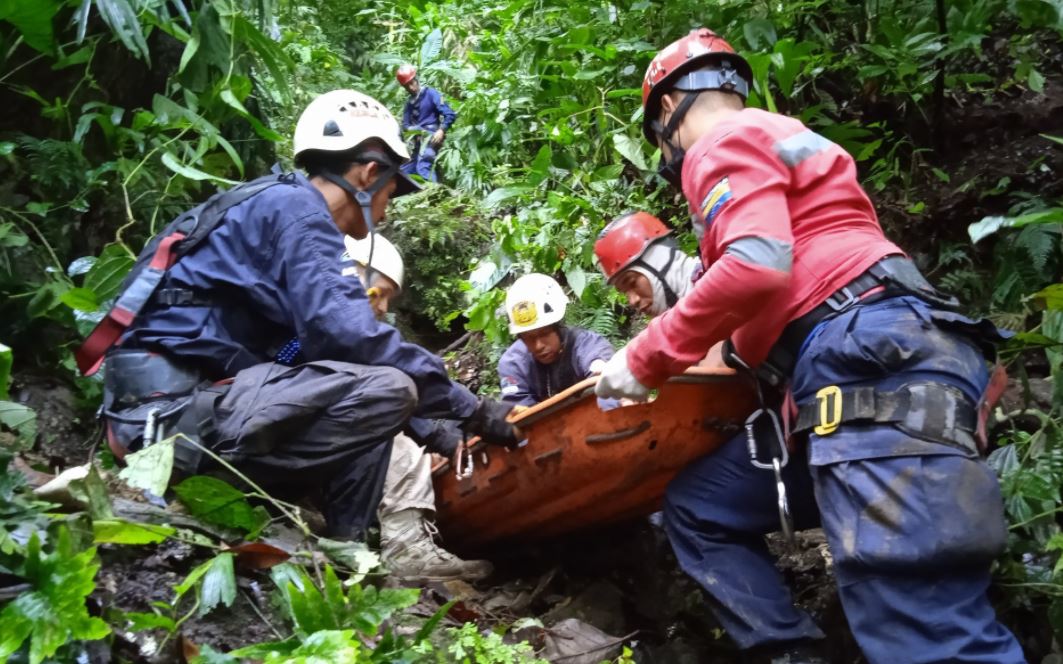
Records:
x=887, y=379
x=408, y=505
x=238, y=328
x=548, y=356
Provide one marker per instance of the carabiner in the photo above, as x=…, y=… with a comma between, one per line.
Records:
x=786, y=520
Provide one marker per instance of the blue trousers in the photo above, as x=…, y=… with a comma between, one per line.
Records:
x=422, y=158
x=913, y=524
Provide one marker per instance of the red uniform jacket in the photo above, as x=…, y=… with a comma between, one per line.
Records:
x=787, y=224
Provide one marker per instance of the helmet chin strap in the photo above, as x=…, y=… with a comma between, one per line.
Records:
x=364, y=199
x=672, y=170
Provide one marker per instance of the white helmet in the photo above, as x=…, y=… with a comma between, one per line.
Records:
x=534, y=301
x=386, y=258
x=343, y=119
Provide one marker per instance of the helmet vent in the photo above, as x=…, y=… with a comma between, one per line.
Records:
x=332, y=129
x=547, y=309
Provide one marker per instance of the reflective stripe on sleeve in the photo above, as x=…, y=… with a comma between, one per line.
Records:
x=799, y=147
x=763, y=251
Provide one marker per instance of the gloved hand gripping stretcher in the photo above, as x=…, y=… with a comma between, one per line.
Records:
x=584, y=467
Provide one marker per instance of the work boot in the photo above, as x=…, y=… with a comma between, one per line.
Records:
x=408, y=547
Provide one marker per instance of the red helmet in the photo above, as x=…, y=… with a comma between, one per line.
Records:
x=625, y=239
x=681, y=60
x=405, y=74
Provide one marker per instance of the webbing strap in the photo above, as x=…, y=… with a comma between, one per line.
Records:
x=90, y=355
x=932, y=411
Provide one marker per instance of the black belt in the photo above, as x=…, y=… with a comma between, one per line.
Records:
x=931, y=411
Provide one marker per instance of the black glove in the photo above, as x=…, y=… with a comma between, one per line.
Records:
x=445, y=437
x=489, y=422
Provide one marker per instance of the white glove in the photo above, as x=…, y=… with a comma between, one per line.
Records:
x=618, y=382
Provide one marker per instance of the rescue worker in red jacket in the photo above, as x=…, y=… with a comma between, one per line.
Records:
x=886, y=377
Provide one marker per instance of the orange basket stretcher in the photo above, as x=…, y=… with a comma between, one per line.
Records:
x=585, y=467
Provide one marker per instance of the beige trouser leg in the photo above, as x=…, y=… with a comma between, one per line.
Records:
x=408, y=484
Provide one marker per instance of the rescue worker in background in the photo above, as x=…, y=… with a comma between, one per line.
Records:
x=548, y=356
x=638, y=255
x=408, y=505
x=318, y=386
x=887, y=380
x=426, y=114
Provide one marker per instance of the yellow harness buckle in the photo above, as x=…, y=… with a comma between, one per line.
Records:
x=828, y=420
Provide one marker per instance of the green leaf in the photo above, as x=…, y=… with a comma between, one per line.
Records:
x=540, y=166
x=139, y=622
x=1036, y=81
x=129, y=532
x=431, y=47
x=577, y=280
x=496, y=197
x=80, y=299
x=54, y=611
x=219, y=503
x=355, y=556
x=92, y=491
x=106, y=275
x=22, y=420
x=174, y=164
x=989, y=225
x=262, y=130
x=630, y=149
x=1055, y=139
x=760, y=34
x=219, y=584
x=121, y=17
x=269, y=53
x=11, y=236
x=6, y=359
x=1052, y=297
x=150, y=468
x=33, y=20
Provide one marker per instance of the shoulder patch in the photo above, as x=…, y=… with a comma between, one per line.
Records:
x=715, y=200
x=510, y=385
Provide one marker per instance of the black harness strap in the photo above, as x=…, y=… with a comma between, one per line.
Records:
x=930, y=411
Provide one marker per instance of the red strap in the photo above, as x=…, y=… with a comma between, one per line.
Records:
x=998, y=382
x=90, y=355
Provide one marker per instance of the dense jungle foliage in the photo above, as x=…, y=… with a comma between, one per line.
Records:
x=122, y=113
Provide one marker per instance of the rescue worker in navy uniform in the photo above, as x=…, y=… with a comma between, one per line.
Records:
x=427, y=114
x=318, y=386
x=408, y=505
x=887, y=380
x=548, y=356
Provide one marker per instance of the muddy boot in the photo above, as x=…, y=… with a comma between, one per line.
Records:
x=407, y=543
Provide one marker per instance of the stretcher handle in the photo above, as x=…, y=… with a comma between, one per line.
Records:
x=618, y=435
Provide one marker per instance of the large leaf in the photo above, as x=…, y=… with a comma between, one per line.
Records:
x=33, y=21
x=498, y=196
x=150, y=468
x=106, y=274
x=630, y=149
x=269, y=53
x=54, y=610
x=21, y=420
x=219, y=503
x=192, y=173
x=121, y=17
x=988, y=225
x=355, y=556
x=431, y=47
x=219, y=583
x=1052, y=296
x=117, y=531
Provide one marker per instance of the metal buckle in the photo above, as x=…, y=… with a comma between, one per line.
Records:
x=464, y=463
x=849, y=300
x=828, y=421
x=152, y=428
x=783, y=457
